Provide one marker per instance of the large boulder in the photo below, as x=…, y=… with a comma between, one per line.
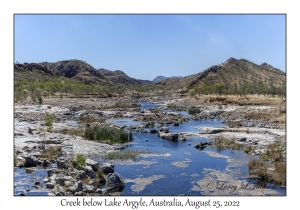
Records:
x=61, y=164
x=153, y=131
x=169, y=136
x=107, y=168
x=89, y=171
x=93, y=164
x=30, y=161
x=114, y=182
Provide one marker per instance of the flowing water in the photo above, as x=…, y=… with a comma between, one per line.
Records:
x=176, y=167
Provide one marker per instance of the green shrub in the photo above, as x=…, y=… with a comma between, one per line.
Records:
x=128, y=154
x=48, y=120
x=114, y=135
x=80, y=160
x=193, y=111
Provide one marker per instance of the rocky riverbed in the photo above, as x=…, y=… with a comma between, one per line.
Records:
x=32, y=137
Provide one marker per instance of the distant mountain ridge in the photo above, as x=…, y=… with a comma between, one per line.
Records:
x=161, y=78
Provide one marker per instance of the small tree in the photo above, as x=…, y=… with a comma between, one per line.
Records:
x=48, y=120
x=219, y=88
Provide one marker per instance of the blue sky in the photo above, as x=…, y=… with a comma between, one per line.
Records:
x=145, y=46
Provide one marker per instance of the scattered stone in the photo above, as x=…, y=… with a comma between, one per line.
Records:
x=107, y=168
x=164, y=130
x=93, y=164
x=60, y=181
x=89, y=189
x=50, y=185
x=50, y=172
x=89, y=171
x=30, y=161
x=80, y=193
x=153, y=131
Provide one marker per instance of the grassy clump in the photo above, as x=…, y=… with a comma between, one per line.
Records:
x=249, y=149
x=275, y=152
x=52, y=153
x=267, y=173
x=48, y=119
x=258, y=168
x=102, y=133
x=194, y=111
x=80, y=162
x=227, y=144
x=128, y=154
x=254, y=114
x=280, y=172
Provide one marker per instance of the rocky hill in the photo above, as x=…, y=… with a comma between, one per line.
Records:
x=233, y=73
x=78, y=70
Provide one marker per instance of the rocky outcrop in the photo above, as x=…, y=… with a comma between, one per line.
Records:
x=114, y=182
x=169, y=136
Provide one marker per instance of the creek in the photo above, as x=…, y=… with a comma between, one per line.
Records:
x=173, y=168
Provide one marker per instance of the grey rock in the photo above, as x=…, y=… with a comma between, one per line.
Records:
x=98, y=191
x=82, y=175
x=153, y=131
x=60, y=181
x=61, y=164
x=80, y=193
x=67, y=178
x=73, y=189
x=61, y=190
x=46, y=163
x=93, y=164
x=89, y=189
x=50, y=172
x=114, y=182
x=78, y=186
x=50, y=185
x=89, y=171
x=164, y=129
x=68, y=184
x=169, y=136
x=107, y=167
x=30, y=161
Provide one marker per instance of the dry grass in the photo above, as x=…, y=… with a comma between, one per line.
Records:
x=76, y=132
x=52, y=153
x=86, y=181
x=222, y=143
x=280, y=173
x=274, y=152
x=99, y=174
x=258, y=168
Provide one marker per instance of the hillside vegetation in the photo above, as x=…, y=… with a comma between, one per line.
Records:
x=74, y=78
